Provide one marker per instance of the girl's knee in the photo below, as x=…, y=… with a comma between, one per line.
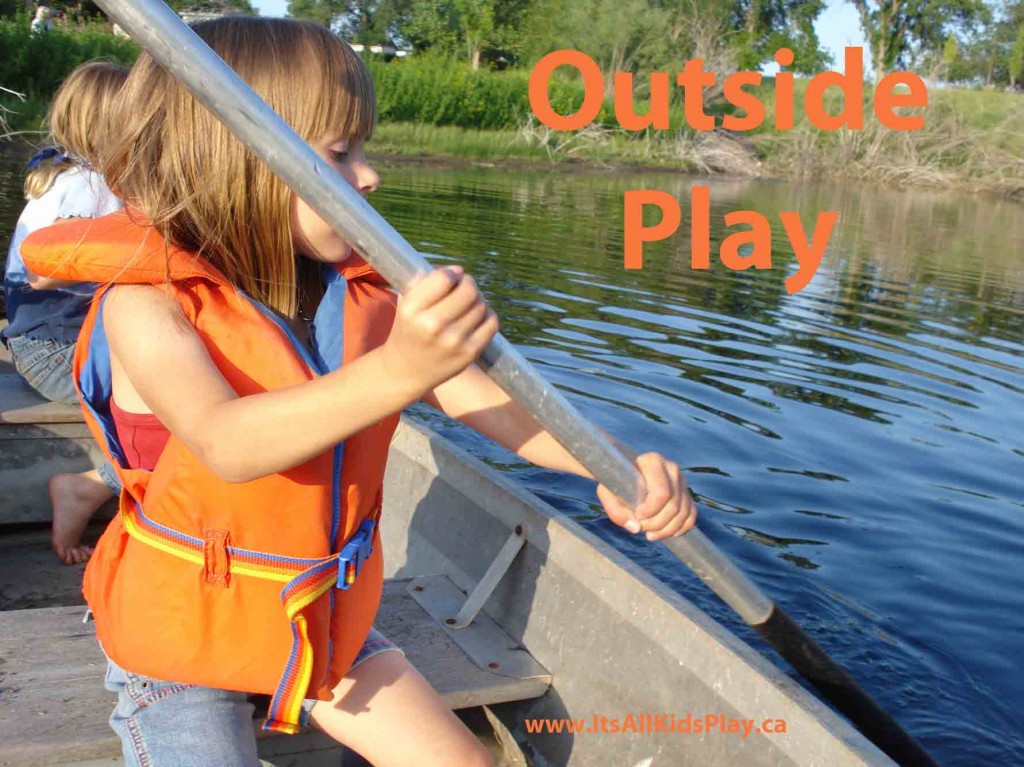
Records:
x=481, y=757
x=472, y=754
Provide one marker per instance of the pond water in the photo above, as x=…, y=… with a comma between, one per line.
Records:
x=856, y=447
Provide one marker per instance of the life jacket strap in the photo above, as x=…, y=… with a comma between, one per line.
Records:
x=340, y=570
x=306, y=580
x=354, y=553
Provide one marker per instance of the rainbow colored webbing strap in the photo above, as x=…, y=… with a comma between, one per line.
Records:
x=306, y=580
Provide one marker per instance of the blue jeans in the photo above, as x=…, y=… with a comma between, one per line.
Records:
x=167, y=724
x=46, y=367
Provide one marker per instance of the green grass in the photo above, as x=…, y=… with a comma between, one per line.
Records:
x=598, y=147
x=984, y=109
x=434, y=108
x=972, y=140
x=418, y=140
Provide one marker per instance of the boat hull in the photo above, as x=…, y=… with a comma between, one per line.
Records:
x=618, y=643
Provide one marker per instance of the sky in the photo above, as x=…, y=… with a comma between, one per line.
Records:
x=837, y=27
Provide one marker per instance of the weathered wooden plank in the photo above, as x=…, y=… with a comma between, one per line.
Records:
x=53, y=707
x=52, y=584
x=19, y=403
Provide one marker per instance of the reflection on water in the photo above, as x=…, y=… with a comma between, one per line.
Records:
x=857, y=447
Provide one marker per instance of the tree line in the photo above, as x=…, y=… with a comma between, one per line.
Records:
x=974, y=42
x=970, y=42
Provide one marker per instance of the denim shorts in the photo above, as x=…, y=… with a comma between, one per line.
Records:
x=46, y=367
x=167, y=724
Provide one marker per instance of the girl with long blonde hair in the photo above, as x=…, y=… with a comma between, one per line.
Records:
x=275, y=363
x=45, y=315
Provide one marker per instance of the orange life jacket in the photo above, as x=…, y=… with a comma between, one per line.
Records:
x=231, y=585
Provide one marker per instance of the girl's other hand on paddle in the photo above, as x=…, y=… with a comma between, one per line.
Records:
x=666, y=511
x=442, y=325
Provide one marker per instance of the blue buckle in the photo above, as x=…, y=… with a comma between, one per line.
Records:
x=354, y=553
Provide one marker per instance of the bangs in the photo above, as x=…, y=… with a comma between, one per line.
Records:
x=345, y=104
x=306, y=73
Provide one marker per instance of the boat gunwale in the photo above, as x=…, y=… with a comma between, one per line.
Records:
x=557, y=536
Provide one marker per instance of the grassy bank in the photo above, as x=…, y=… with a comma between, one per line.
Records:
x=428, y=107
x=685, y=152
x=972, y=141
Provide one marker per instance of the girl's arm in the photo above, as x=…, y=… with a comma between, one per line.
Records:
x=45, y=283
x=161, y=365
x=474, y=399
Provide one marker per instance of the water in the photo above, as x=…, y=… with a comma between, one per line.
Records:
x=857, y=447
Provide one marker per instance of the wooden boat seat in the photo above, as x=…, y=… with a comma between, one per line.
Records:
x=54, y=709
x=20, y=404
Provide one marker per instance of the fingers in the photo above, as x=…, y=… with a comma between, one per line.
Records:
x=427, y=289
x=666, y=511
x=447, y=306
x=680, y=523
x=483, y=333
x=618, y=511
x=462, y=298
x=660, y=484
x=456, y=316
x=76, y=555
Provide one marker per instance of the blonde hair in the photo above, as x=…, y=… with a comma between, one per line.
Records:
x=79, y=121
x=201, y=187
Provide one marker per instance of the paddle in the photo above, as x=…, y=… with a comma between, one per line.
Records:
x=154, y=26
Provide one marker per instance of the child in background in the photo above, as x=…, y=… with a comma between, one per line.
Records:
x=41, y=21
x=228, y=311
x=44, y=315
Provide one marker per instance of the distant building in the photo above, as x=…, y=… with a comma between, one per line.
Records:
x=386, y=51
x=205, y=10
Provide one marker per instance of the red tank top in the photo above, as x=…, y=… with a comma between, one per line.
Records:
x=142, y=437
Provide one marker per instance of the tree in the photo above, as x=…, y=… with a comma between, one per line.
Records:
x=374, y=22
x=986, y=51
x=900, y=30
x=463, y=28
x=475, y=22
x=466, y=28
x=326, y=12
x=764, y=26
x=1016, y=62
x=619, y=35
x=950, y=55
x=221, y=6
x=659, y=35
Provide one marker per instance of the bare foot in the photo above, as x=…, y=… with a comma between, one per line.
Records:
x=75, y=498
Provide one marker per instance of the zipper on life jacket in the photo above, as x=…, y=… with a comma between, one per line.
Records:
x=318, y=370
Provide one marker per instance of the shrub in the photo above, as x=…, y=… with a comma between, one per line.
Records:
x=37, y=64
x=441, y=92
